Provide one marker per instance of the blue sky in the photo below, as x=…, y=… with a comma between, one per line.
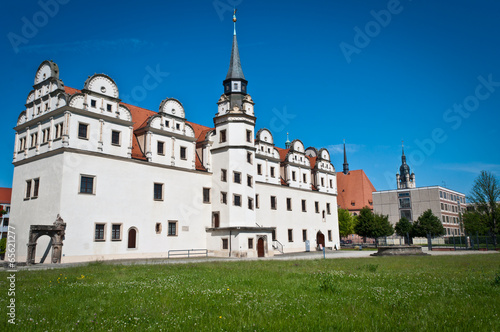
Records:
x=371, y=72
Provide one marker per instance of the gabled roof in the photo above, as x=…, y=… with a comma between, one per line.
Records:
x=140, y=116
x=5, y=194
x=354, y=188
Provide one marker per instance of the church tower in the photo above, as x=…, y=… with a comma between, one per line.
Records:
x=233, y=149
x=404, y=179
x=346, y=165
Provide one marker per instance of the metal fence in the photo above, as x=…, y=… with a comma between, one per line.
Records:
x=442, y=243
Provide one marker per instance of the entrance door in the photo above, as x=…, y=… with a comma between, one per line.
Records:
x=131, y=238
x=320, y=239
x=260, y=247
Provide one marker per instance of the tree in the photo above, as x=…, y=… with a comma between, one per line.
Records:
x=403, y=228
x=372, y=225
x=427, y=223
x=346, y=223
x=484, y=196
x=474, y=223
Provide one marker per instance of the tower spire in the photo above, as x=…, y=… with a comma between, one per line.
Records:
x=403, y=157
x=346, y=165
x=287, y=143
x=235, y=84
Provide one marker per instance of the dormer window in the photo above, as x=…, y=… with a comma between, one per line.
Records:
x=167, y=123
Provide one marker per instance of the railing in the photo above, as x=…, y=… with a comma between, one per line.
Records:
x=188, y=252
x=277, y=245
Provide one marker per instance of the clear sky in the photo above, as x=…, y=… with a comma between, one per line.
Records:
x=371, y=72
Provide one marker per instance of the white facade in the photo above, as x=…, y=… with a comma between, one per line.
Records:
x=133, y=183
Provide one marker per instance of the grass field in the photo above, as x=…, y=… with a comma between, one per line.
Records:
x=432, y=293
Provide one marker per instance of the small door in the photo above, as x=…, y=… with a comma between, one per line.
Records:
x=320, y=239
x=215, y=219
x=260, y=248
x=132, y=234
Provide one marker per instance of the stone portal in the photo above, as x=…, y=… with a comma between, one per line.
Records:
x=56, y=233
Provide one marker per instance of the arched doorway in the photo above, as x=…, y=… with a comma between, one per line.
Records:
x=56, y=234
x=320, y=239
x=132, y=238
x=260, y=248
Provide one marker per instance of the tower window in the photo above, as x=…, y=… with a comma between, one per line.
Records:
x=183, y=153
x=160, y=149
x=222, y=136
x=249, y=136
x=115, y=137
x=259, y=169
x=272, y=172
x=237, y=177
x=223, y=175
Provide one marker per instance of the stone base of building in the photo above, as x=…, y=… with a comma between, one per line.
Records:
x=399, y=251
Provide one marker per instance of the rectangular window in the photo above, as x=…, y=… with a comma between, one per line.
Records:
x=250, y=203
x=249, y=181
x=93, y=103
x=249, y=136
x=222, y=136
x=59, y=130
x=304, y=206
x=223, y=197
x=250, y=243
x=183, y=153
x=236, y=177
x=289, y=204
x=167, y=123
x=86, y=184
x=290, y=235
x=225, y=244
x=172, y=228
x=158, y=191
x=304, y=178
x=257, y=201
x=28, y=189
x=249, y=158
x=223, y=175
x=158, y=228
x=316, y=207
x=322, y=182
x=116, y=232
x=115, y=137
x=34, y=139
x=160, y=148
x=83, y=130
x=272, y=172
x=404, y=203
x=178, y=126
x=206, y=195
x=99, y=232
x=331, y=183
x=329, y=236
x=293, y=175
x=259, y=169
x=304, y=235
x=236, y=200
x=36, y=185
x=108, y=107
x=273, y=202
x=328, y=208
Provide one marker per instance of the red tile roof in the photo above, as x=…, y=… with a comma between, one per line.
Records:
x=71, y=91
x=312, y=161
x=5, y=194
x=354, y=187
x=199, y=131
x=283, y=153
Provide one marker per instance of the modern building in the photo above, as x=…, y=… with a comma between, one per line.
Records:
x=96, y=178
x=410, y=202
x=5, y=194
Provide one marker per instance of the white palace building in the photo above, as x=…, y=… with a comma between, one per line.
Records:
x=98, y=179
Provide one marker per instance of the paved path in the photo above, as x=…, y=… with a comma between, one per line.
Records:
x=293, y=256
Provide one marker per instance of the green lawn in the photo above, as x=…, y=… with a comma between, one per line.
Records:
x=380, y=293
